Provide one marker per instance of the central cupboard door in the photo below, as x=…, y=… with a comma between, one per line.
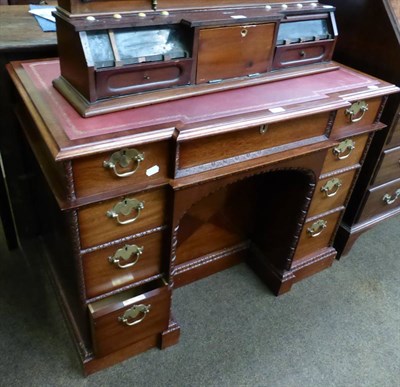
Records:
x=229, y=52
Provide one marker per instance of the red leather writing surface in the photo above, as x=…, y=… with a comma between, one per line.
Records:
x=193, y=109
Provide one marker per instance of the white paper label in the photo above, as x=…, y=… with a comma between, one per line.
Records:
x=277, y=110
x=139, y=298
x=238, y=17
x=153, y=170
x=374, y=87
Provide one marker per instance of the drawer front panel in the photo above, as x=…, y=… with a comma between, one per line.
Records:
x=395, y=135
x=230, y=52
x=345, y=156
x=343, y=125
x=389, y=168
x=108, y=269
x=110, y=323
x=219, y=147
x=145, y=77
x=316, y=236
x=381, y=199
x=97, y=226
x=144, y=166
x=331, y=193
x=302, y=54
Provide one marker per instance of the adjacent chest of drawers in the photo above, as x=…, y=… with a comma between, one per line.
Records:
x=151, y=199
x=376, y=196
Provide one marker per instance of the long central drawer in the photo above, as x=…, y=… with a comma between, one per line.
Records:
x=222, y=146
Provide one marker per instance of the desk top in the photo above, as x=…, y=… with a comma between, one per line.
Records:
x=20, y=30
x=69, y=135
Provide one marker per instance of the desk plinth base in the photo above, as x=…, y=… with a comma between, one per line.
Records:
x=164, y=340
x=281, y=281
x=278, y=281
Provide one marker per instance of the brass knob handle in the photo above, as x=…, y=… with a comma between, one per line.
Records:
x=123, y=159
x=302, y=53
x=390, y=199
x=125, y=254
x=357, y=111
x=344, y=149
x=331, y=187
x=317, y=228
x=125, y=208
x=130, y=315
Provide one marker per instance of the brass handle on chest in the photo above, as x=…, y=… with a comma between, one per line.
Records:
x=344, y=149
x=128, y=318
x=390, y=199
x=331, y=187
x=124, y=208
x=317, y=228
x=123, y=159
x=124, y=255
x=357, y=111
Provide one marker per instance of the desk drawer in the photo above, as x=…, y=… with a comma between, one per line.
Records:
x=389, y=168
x=316, y=234
x=108, y=269
x=331, y=192
x=344, y=122
x=143, y=166
x=104, y=222
x=346, y=154
x=395, y=134
x=219, y=147
x=143, y=77
x=128, y=317
x=299, y=54
x=381, y=199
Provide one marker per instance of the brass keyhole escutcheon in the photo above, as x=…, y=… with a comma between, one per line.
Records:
x=344, y=149
x=317, y=228
x=302, y=53
x=135, y=315
x=124, y=208
x=357, y=111
x=263, y=129
x=390, y=199
x=122, y=159
x=244, y=32
x=331, y=188
x=126, y=256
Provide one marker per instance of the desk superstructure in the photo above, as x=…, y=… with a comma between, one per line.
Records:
x=121, y=54
x=151, y=198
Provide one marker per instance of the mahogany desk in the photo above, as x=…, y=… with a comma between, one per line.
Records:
x=21, y=38
x=149, y=199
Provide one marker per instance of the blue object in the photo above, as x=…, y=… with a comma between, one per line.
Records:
x=45, y=25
